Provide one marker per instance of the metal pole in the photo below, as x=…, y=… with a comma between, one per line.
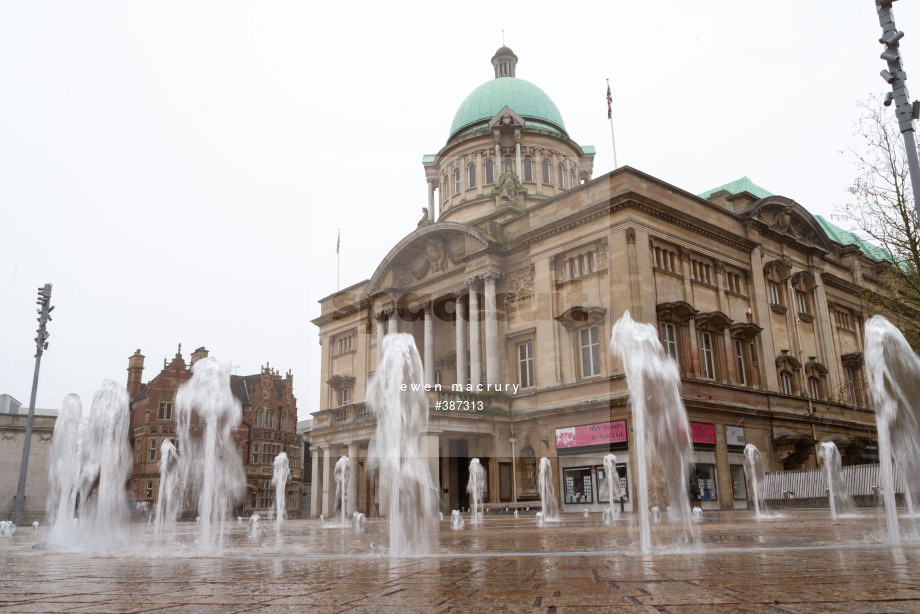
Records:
x=41, y=342
x=896, y=76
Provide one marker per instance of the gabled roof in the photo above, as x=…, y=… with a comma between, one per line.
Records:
x=738, y=186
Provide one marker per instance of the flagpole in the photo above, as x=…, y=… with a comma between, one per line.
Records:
x=338, y=261
x=610, y=116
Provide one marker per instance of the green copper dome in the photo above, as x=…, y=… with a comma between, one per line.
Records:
x=522, y=97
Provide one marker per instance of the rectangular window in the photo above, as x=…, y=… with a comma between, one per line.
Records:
x=490, y=172
x=165, y=411
x=800, y=302
x=525, y=363
x=590, y=352
x=346, y=396
x=773, y=293
x=669, y=339
x=437, y=378
x=153, y=450
x=739, y=353
x=528, y=170
x=578, y=485
x=255, y=454
x=258, y=418
x=739, y=483
x=785, y=382
x=709, y=370
x=706, y=479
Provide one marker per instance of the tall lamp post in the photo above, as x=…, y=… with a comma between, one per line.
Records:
x=41, y=344
x=896, y=76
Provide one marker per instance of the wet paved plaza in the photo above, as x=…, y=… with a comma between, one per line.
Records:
x=799, y=563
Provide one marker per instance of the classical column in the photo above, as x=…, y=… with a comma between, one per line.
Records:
x=352, y=503
x=499, y=167
x=517, y=160
x=392, y=324
x=314, y=484
x=491, y=327
x=461, y=338
x=431, y=217
x=429, y=343
x=381, y=325
x=475, y=351
x=328, y=506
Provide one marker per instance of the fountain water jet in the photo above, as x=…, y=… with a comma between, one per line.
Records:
x=280, y=476
x=207, y=416
x=64, y=469
x=475, y=486
x=397, y=398
x=169, y=498
x=610, y=470
x=660, y=420
x=753, y=465
x=893, y=372
x=456, y=520
x=341, y=473
x=547, y=492
x=837, y=497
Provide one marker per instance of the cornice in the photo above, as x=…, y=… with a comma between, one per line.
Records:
x=832, y=281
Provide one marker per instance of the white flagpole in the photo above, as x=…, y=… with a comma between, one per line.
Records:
x=612, y=138
x=338, y=260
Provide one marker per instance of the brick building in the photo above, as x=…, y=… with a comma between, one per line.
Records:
x=267, y=429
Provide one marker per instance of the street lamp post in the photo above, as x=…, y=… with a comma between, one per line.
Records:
x=41, y=344
x=896, y=76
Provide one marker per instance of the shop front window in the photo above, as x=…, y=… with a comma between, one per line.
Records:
x=706, y=478
x=577, y=483
x=739, y=483
x=619, y=489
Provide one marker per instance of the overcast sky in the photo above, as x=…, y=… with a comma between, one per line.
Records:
x=179, y=171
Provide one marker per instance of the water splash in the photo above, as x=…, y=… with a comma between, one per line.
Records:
x=207, y=416
x=753, y=465
x=342, y=473
x=547, y=492
x=402, y=415
x=280, y=476
x=837, y=497
x=659, y=419
x=456, y=520
x=475, y=486
x=169, y=497
x=357, y=522
x=893, y=372
x=254, y=528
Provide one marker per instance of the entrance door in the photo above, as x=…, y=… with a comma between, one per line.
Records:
x=504, y=482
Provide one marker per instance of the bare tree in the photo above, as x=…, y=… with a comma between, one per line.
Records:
x=881, y=209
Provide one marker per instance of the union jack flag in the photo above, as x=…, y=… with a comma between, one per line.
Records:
x=609, y=102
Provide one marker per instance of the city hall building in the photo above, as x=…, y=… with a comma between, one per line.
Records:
x=512, y=282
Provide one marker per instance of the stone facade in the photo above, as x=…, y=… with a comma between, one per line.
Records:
x=12, y=433
x=268, y=428
x=516, y=286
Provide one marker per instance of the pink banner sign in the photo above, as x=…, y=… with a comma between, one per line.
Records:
x=701, y=432
x=591, y=434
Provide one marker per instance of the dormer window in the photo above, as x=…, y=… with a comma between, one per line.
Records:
x=490, y=171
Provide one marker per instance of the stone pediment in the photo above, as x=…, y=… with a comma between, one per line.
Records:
x=429, y=252
x=506, y=119
x=788, y=221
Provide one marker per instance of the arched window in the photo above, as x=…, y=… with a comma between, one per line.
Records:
x=572, y=183
x=457, y=181
x=528, y=169
x=560, y=176
x=490, y=171
x=785, y=382
x=546, y=178
x=508, y=165
x=472, y=175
